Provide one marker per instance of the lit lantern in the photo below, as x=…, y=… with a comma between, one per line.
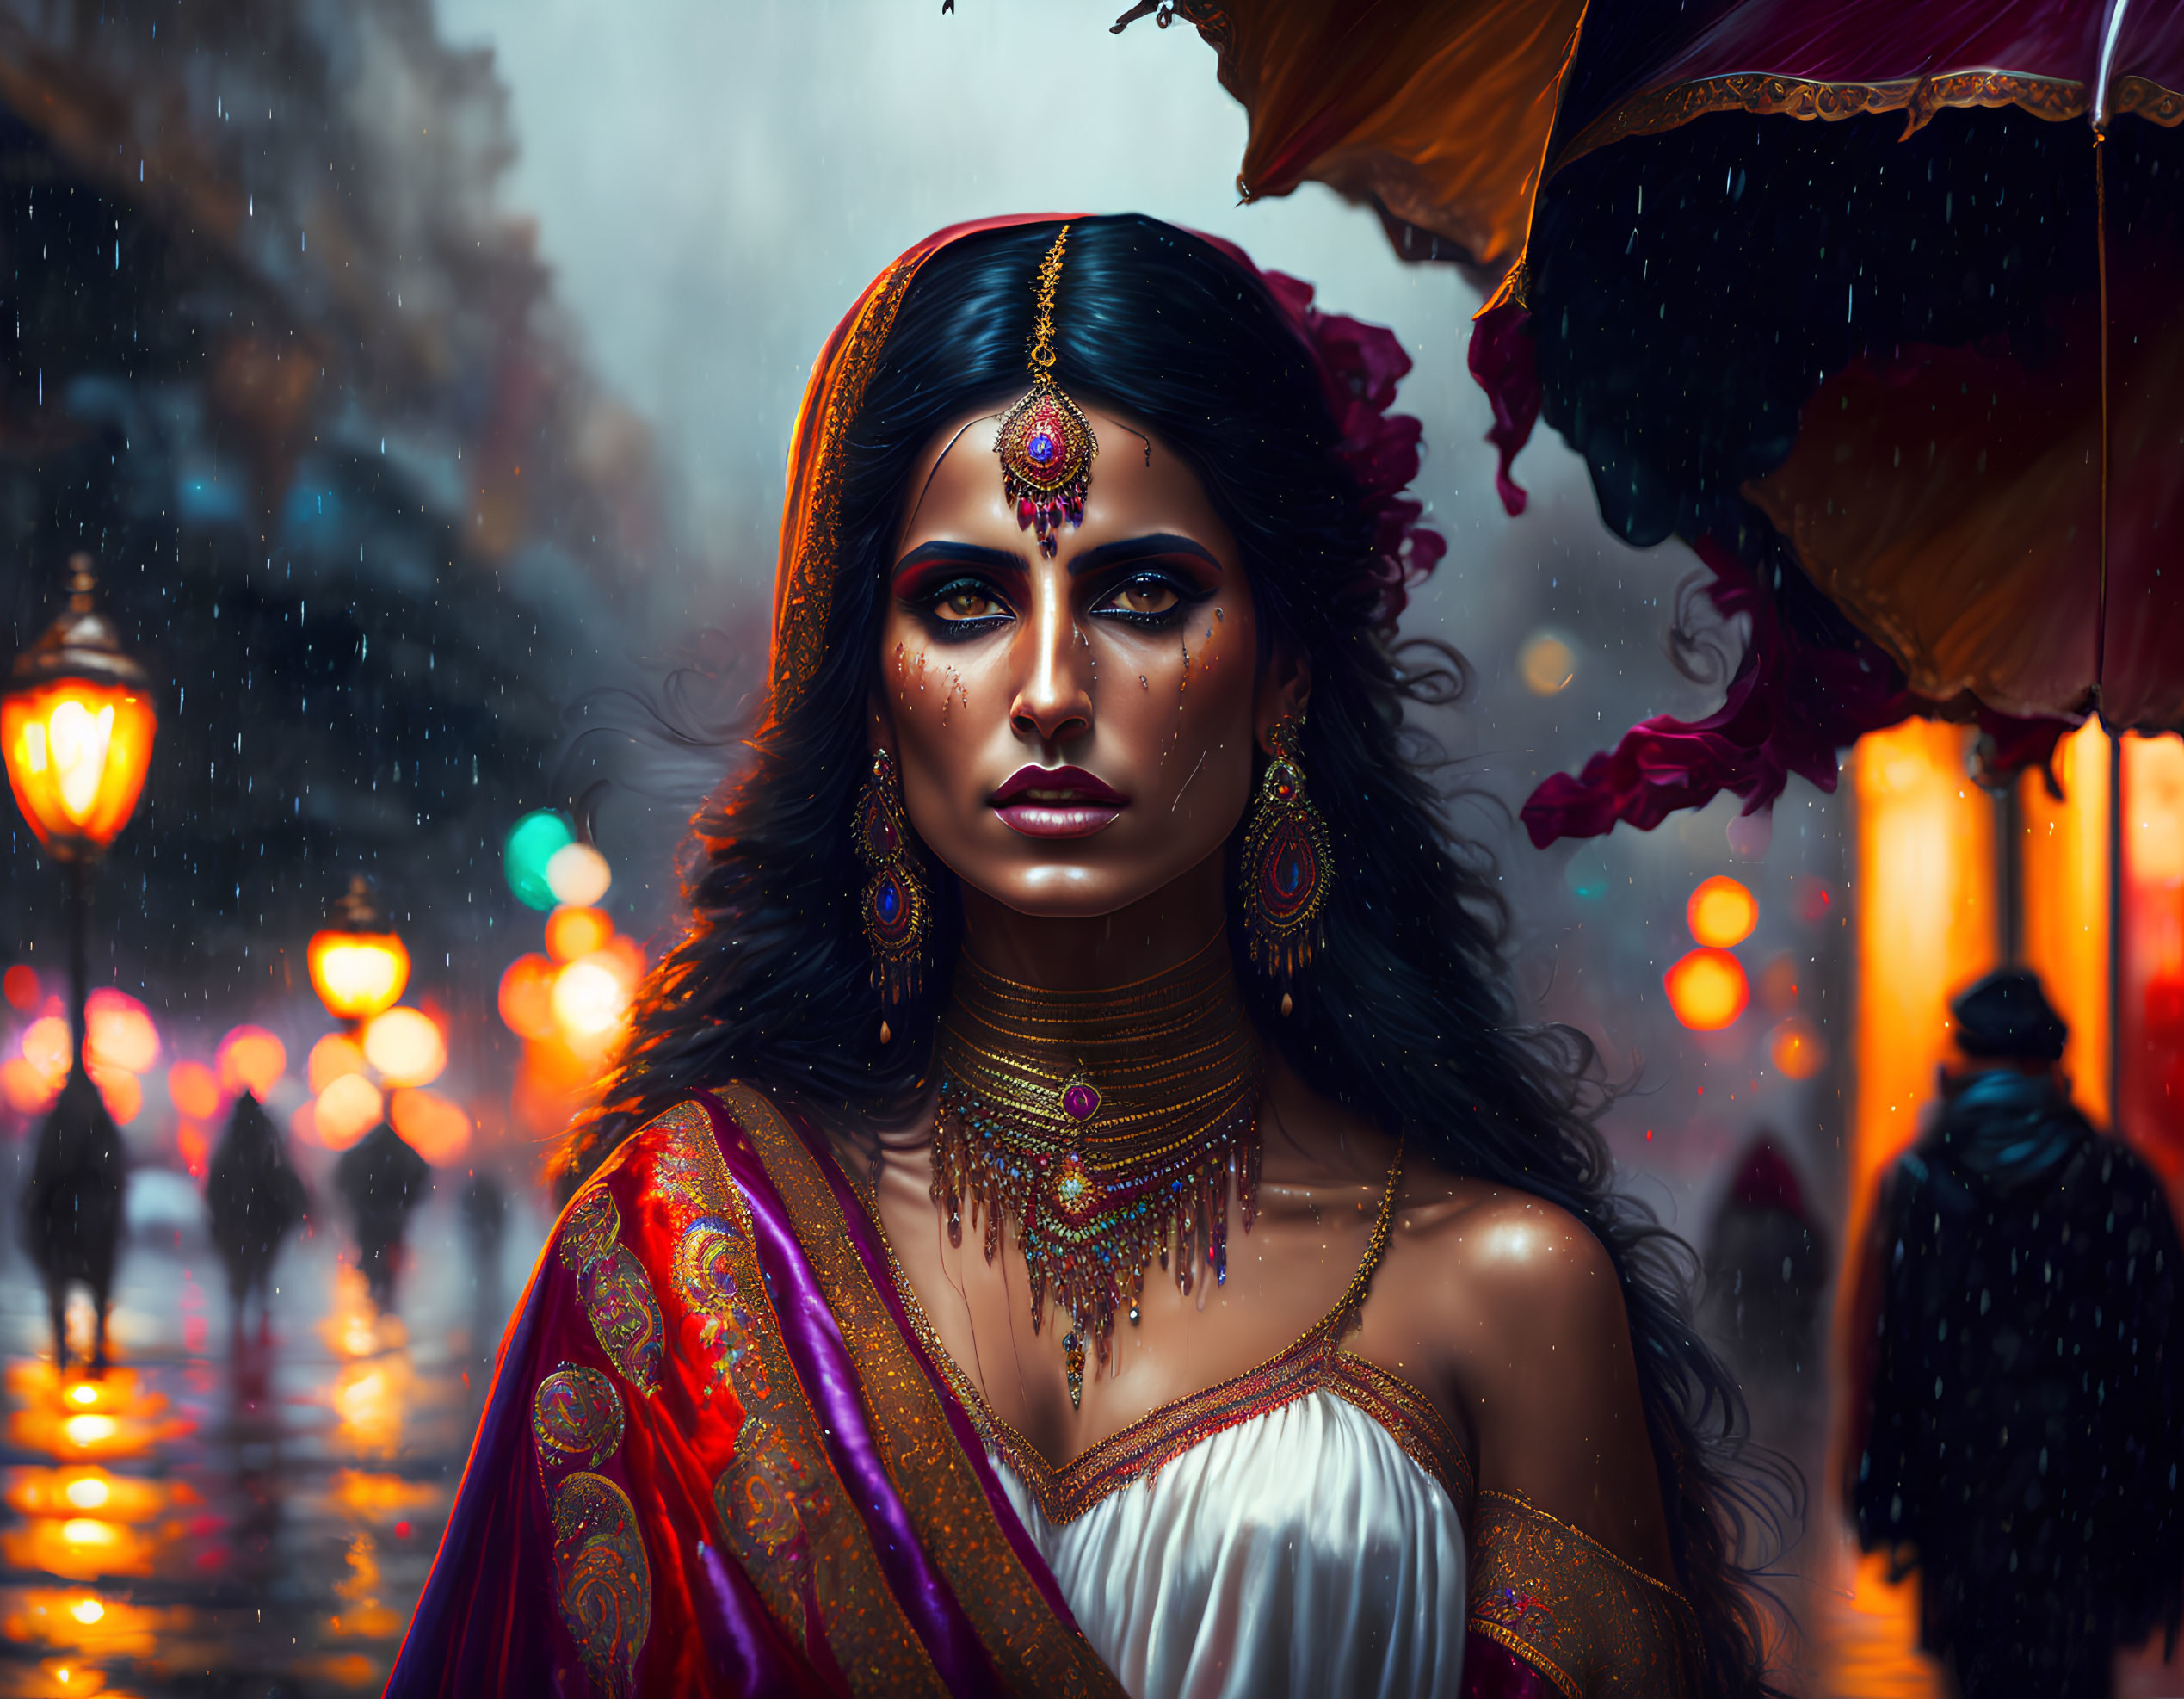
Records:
x=76, y=729
x=357, y=966
x=77, y=725
x=1721, y=912
x=1707, y=990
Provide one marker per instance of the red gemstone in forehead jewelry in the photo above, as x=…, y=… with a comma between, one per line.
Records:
x=1044, y=442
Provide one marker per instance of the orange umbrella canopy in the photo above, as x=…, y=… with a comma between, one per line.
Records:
x=1872, y=301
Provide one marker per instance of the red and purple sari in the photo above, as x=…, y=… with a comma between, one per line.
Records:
x=716, y=1458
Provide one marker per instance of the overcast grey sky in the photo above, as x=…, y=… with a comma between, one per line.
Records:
x=715, y=180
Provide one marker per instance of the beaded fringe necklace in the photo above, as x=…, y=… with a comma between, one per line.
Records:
x=1107, y=1126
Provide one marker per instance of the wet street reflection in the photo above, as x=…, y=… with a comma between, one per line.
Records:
x=233, y=1510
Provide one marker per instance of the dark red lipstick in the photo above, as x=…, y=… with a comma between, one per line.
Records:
x=1056, y=802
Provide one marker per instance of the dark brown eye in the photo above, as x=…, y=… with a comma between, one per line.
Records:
x=1145, y=596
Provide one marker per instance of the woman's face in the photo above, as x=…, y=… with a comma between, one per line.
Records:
x=1074, y=733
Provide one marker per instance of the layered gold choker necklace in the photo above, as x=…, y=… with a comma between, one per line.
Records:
x=1107, y=1126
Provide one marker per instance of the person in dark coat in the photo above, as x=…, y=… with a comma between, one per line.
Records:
x=254, y=1200
x=72, y=1208
x=2017, y=1324
x=383, y=1180
x=1766, y=1264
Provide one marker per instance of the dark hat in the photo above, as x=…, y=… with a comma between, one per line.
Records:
x=2006, y=1017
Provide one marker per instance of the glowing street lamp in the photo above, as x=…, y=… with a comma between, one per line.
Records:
x=76, y=727
x=359, y=966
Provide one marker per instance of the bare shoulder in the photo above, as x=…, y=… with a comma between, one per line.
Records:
x=1513, y=1263
x=1517, y=1305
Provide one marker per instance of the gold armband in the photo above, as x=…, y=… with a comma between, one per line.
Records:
x=1559, y=1599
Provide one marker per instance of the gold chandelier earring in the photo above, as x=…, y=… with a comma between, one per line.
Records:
x=1286, y=868
x=896, y=909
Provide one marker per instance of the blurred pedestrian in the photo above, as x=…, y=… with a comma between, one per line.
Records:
x=382, y=1180
x=71, y=1208
x=485, y=1217
x=2014, y=1333
x=1766, y=1264
x=254, y=1200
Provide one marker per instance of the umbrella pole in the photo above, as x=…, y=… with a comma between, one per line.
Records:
x=2101, y=250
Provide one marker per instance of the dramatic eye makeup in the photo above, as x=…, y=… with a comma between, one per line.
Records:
x=1153, y=599
x=961, y=591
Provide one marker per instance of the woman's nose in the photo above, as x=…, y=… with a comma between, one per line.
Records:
x=1053, y=704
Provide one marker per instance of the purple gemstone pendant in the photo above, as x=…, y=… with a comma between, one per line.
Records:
x=1080, y=1098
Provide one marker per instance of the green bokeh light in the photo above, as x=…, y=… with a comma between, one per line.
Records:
x=530, y=846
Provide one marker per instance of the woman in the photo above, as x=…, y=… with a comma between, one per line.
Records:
x=1075, y=1214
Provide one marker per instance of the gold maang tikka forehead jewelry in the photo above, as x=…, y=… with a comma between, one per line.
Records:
x=1046, y=444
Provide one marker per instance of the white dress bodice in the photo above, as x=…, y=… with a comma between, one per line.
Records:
x=1301, y=1551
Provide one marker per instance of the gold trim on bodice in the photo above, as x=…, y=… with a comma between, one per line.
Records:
x=1315, y=1363
x=1593, y=1625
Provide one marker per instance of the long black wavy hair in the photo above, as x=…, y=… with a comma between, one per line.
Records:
x=1405, y=1017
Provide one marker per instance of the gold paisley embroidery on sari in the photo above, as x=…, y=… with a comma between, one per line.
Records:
x=626, y=1316
x=590, y=1229
x=604, y=1583
x=761, y=1497
x=783, y=1515
x=705, y=1279
x=575, y=1417
x=1591, y=1624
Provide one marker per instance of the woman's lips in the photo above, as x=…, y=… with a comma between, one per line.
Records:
x=1056, y=802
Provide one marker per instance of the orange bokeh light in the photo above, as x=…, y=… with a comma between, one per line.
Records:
x=437, y=1129
x=50, y=1047
x=119, y=1090
x=122, y=1034
x=1797, y=1049
x=20, y=985
x=195, y=1090
x=1707, y=990
x=571, y=933
x=1721, y=912
x=77, y=752
x=251, y=1058
x=527, y=997
x=345, y=1111
x=334, y=1055
x=28, y=1090
x=357, y=974
x=406, y=1046
x=591, y=998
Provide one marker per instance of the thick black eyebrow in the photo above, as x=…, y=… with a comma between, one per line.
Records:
x=1141, y=548
x=961, y=554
